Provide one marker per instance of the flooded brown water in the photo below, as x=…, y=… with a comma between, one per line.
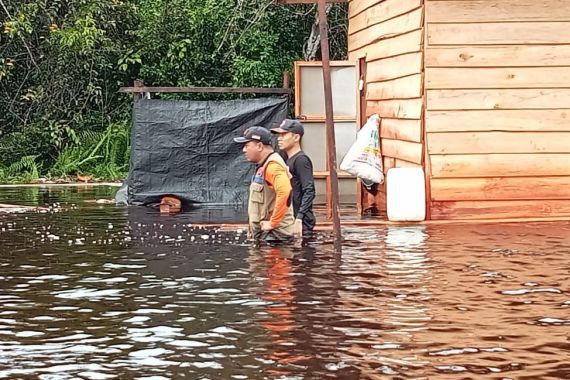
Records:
x=95, y=291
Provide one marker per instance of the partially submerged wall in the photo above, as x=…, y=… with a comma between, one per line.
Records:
x=388, y=35
x=498, y=108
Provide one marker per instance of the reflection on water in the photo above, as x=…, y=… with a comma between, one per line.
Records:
x=95, y=291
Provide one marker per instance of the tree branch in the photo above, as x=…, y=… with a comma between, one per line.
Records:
x=22, y=38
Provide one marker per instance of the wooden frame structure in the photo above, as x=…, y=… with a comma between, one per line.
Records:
x=211, y=90
x=477, y=93
x=298, y=101
x=320, y=118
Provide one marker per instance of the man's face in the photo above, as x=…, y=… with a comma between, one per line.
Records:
x=252, y=151
x=287, y=140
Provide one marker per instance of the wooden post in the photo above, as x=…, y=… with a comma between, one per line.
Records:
x=362, y=197
x=286, y=79
x=332, y=179
x=287, y=83
x=138, y=84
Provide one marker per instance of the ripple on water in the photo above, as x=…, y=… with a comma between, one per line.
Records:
x=92, y=294
x=127, y=293
x=517, y=292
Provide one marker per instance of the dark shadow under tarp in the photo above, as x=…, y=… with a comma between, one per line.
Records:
x=186, y=148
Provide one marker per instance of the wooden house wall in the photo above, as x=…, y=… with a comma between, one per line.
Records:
x=388, y=34
x=497, y=81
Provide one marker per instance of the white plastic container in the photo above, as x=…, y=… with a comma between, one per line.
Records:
x=406, y=194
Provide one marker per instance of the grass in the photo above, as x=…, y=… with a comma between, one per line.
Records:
x=100, y=155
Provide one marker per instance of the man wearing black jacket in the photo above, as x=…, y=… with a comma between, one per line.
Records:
x=290, y=134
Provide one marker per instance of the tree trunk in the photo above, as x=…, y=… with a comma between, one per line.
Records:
x=313, y=43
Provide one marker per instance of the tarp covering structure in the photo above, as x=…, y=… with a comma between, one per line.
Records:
x=186, y=148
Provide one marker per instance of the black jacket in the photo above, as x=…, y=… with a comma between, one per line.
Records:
x=303, y=184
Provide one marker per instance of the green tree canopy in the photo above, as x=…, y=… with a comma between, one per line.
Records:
x=63, y=61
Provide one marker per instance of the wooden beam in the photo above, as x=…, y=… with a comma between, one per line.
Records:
x=499, y=33
x=500, y=188
x=362, y=199
x=386, y=30
x=401, y=129
x=490, y=77
x=501, y=209
x=332, y=179
x=495, y=11
x=409, y=42
x=326, y=173
x=495, y=99
x=498, y=120
x=395, y=67
x=500, y=165
x=409, y=87
x=382, y=12
x=250, y=90
x=396, y=108
x=498, y=142
x=498, y=56
x=403, y=150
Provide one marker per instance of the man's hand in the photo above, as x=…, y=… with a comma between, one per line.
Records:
x=265, y=225
x=298, y=228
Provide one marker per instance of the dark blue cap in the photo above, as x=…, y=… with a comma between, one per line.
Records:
x=255, y=133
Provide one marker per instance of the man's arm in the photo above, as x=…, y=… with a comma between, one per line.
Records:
x=304, y=171
x=277, y=177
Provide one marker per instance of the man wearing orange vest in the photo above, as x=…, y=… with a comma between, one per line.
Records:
x=269, y=207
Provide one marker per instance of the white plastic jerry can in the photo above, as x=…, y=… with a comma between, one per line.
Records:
x=406, y=194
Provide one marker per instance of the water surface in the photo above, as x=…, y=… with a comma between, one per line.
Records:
x=95, y=291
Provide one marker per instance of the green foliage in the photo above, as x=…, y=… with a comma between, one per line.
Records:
x=24, y=170
x=63, y=61
x=104, y=154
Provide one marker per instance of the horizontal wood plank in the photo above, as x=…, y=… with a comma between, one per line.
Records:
x=190, y=89
x=503, y=10
x=402, y=88
x=381, y=12
x=405, y=43
x=535, y=77
x=499, y=33
x=498, y=142
x=396, y=109
x=391, y=28
x=359, y=6
x=325, y=174
x=403, y=150
x=501, y=188
x=498, y=56
x=400, y=129
x=499, y=209
x=406, y=164
x=395, y=67
x=498, y=99
x=500, y=165
x=498, y=120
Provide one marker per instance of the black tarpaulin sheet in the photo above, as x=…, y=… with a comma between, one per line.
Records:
x=186, y=148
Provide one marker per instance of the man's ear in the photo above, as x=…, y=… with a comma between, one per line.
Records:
x=297, y=138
